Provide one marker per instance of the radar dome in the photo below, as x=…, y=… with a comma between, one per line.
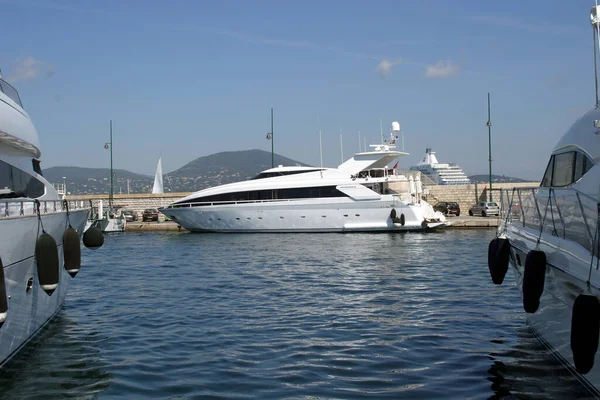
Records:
x=395, y=126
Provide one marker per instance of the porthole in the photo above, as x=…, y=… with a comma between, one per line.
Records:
x=345, y=215
x=280, y=217
x=238, y=219
x=259, y=217
x=357, y=215
x=248, y=218
x=304, y=216
x=323, y=216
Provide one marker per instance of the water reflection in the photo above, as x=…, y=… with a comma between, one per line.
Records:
x=528, y=370
x=61, y=363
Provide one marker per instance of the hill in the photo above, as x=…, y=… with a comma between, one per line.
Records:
x=203, y=172
x=482, y=178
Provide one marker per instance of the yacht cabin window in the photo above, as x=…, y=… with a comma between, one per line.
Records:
x=566, y=168
x=270, y=194
x=17, y=183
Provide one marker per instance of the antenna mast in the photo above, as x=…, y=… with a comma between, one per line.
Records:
x=595, y=19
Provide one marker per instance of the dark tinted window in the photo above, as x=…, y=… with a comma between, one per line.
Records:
x=263, y=175
x=582, y=165
x=275, y=194
x=547, y=179
x=17, y=183
x=563, y=169
x=36, y=166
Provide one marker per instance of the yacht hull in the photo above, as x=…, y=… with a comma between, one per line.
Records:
x=303, y=216
x=30, y=309
x=567, y=271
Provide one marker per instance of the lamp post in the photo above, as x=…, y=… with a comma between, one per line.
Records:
x=107, y=146
x=271, y=138
x=489, y=125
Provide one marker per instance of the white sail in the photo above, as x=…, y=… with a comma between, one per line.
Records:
x=158, y=179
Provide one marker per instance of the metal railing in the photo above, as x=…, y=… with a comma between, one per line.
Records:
x=562, y=212
x=17, y=208
x=10, y=91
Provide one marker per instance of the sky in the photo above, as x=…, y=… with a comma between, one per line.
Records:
x=186, y=79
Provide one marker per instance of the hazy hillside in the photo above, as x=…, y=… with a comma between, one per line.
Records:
x=481, y=178
x=203, y=172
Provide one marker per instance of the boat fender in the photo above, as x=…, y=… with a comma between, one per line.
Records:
x=71, y=251
x=402, y=219
x=3, y=296
x=393, y=214
x=498, y=255
x=533, y=280
x=46, y=257
x=93, y=238
x=585, y=327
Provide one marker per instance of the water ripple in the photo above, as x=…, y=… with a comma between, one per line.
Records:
x=335, y=316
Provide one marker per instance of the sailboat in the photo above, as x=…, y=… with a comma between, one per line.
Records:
x=157, y=188
x=107, y=219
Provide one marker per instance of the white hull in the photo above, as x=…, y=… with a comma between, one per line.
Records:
x=317, y=215
x=29, y=311
x=565, y=279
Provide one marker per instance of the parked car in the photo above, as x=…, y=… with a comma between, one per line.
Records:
x=485, y=208
x=447, y=207
x=129, y=215
x=150, y=214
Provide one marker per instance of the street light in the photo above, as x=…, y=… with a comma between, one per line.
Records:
x=489, y=125
x=108, y=145
x=270, y=137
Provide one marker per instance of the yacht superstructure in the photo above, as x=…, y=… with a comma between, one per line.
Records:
x=441, y=173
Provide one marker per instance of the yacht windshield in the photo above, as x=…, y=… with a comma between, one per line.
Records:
x=10, y=91
x=263, y=175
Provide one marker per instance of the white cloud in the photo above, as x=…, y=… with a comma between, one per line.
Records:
x=443, y=69
x=29, y=68
x=384, y=69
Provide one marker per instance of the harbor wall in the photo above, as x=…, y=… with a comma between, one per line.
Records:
x=465, y=195
x=136, y=201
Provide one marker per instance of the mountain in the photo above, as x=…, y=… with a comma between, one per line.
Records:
x=222, y=168
x=482, y=178
x=203, y=172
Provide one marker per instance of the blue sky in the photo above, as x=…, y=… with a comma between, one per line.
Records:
x=185, y=79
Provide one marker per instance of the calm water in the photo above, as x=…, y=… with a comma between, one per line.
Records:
x=304, y=316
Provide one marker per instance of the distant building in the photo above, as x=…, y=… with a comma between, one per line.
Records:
x=441, y=174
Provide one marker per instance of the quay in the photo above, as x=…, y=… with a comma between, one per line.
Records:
x=453, y=222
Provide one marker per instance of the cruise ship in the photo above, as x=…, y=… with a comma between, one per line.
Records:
x=441, y=174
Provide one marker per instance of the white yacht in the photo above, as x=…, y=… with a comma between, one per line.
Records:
x=40, y=231
x=362, y=194
x=441, y=173
x=550, y=236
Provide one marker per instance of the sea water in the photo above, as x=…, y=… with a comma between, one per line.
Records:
x=303, y=316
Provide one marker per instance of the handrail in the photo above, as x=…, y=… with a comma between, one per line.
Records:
x=10, y=91
x=577, y=212
x=17, y=207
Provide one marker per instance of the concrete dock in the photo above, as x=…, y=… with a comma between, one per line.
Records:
x=454, y=222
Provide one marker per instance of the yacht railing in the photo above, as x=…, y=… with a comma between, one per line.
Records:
x=562, y=212
x=10, y=208
x=10, y=91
